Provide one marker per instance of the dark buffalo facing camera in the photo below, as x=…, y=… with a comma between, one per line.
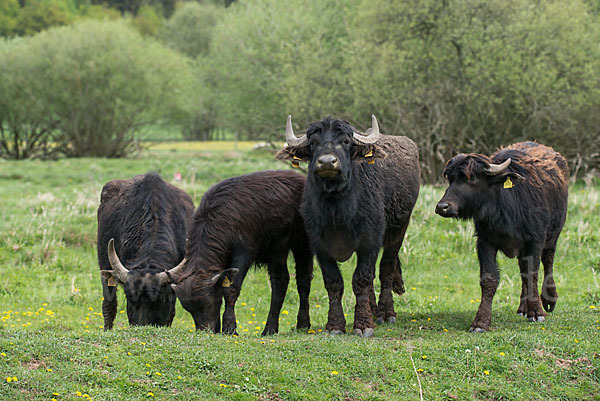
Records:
x=517, y=199
x=245, y=220
x=359, y=195
x=142, y=225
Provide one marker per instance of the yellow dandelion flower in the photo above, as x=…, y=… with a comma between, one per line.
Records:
x=48, y=370
x=15, y=379
x=8, y=379
x=251, y=309
x=419, y=370
x=446, y=330
x=55, y=394
x=502, y=354
x=53, y=399
x=592, y=307
x=85, y=395
x=311, y=331
x=486, y=372
x=150, y=394
x=148, y=365
x=257, y=327
x=576, y=340
x=179, y=377
x=424, y=357
x=334, y=372
x=317, y=306
x=3, y=354
x=78, y=394
x=129, y=353
x=413, y=288
x=223, y=385
x=158, y=373
x=284, y=312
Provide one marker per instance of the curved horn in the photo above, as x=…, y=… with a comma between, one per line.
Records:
x=173, y=273
x=290, y=138
x=119, y=271
x=494, y=169
x=371, y=135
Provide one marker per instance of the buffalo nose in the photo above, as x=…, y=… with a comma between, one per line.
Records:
x=442, y=208
x=327, y=162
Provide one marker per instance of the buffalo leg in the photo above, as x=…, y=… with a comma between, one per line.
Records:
x=280, y=278
x=387, y=267
x=529, y=262
x=362, y=283
x=549, y=294
x=304, y=269
x=334, y=284
x=109, y=304
x=489, y=278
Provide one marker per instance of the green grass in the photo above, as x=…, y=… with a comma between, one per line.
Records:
x=51, y=338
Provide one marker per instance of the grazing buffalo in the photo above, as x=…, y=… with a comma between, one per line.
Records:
x=359, y=195
x=146, y=220
x=517, y=199
x=245, y=220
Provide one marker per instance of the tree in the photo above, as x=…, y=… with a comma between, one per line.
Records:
x=101, y=82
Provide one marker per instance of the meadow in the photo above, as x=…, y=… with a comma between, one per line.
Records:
x=52, y=344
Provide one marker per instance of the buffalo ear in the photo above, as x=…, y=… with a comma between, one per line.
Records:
x=367, y=152
x=294, y=153
x=508, y=179
x=110, y=277
x=225, y=278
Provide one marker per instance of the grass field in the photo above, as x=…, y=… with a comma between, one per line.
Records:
x=52, y=345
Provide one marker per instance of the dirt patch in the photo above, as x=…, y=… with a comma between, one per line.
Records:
x=34, y=364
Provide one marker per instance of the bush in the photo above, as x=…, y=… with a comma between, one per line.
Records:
x=472, y=75
x=101, y=82
x=272, y=58
x=26, y=122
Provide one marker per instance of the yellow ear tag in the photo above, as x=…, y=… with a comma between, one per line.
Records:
x=226, y=282
x=112, y=282
x=296, y=158
x=370, y=154
x=371, y=161
x=295, y=165
x=508, y=183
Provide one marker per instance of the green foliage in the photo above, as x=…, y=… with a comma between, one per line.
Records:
x=470, y=75
x=190, y=29
x=147, y=21
x=38, y=15
x=26, y=121
x=101, y=82
x=271, y=58
x=52, y=342
x=9, y=10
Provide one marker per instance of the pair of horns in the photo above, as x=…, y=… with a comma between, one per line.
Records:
x=120, y=272
x=495, y=169
x=371, y=135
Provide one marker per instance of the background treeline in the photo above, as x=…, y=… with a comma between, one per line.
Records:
x=454, y=75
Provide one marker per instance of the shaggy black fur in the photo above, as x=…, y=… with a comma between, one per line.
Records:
x=357, y=198
x=245, y=220
x=149, y=219
x=520, y=212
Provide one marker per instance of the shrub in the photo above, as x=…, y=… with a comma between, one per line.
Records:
x=102, y=82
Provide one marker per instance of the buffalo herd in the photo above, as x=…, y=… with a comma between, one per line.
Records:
x=357, y=197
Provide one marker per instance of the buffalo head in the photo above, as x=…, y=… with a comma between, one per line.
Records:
x=202, y=297
x=150, y=299
x=330, y=146
x=473, y=180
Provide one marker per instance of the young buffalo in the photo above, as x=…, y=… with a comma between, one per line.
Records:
x=359, y=195
x=517, y=199
x=245, y=220
x=146, y=220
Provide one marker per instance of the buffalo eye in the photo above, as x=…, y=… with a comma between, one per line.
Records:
x=346, y=141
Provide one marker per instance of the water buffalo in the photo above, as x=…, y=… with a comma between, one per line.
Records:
x=517, y=199
x=146, y=220
x=245, y=220
x=359, y=195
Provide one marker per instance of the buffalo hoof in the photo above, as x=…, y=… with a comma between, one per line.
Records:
x=521, y=314
x=366, y=333
x=477, y=330
x=335, y=332
x=379, y=320
x=539, y=319
x=391, y=320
